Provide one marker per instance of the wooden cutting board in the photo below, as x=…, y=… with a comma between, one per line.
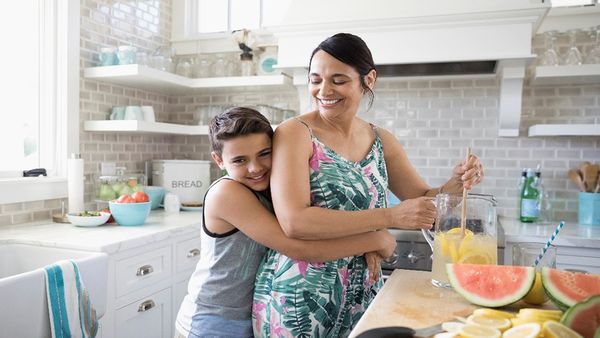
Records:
x=409, y=299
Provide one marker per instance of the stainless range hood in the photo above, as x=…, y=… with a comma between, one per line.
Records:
x=410, y=38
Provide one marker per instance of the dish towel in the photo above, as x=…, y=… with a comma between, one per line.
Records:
x=71, y=312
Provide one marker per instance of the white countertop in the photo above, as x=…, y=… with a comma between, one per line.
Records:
x=572, y=234
x=109, y=238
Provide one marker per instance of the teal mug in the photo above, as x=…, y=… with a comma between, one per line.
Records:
x=117, y=113
x=108, y=56
x=127, y=55
x=134, y=113
x=589, y=208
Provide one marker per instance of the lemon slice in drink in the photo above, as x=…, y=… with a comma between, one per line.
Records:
x=554, y=329
x=476, y=257
x=484, y=320
x=531, y=330
x=478, y=331
x=456, y=231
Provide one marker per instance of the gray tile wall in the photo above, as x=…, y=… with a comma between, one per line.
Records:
x=434, y=119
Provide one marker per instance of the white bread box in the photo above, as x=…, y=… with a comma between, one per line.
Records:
x=188, y=179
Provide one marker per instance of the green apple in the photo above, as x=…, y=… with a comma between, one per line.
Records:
x=106, y=193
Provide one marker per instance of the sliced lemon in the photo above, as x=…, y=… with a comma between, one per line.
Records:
x=476, y=258
x=452, y=326
x=541, y=312
x=441, y=237
x=457, y=231
x=484, y=320
x=552, y=329
x=465, y=244
x=494, y=313
x=536, y=295
x=478, y=331
x=530, y=330
x=453, y=253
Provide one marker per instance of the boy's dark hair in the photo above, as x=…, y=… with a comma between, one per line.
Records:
x=353, y=51
x=235, y=122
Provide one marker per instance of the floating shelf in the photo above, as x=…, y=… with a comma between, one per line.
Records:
x=151, y=79
x=565, y=130
x=134, y=126
x=553, y=75
x=144, y=127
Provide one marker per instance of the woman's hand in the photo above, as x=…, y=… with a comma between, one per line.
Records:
x=388, y=243
x=374, y=264
x=414, y=213
x=468, y=173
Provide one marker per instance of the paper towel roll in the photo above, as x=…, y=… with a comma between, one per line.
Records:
x=75, y=183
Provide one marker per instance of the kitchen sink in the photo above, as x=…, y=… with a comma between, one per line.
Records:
x=24, y=310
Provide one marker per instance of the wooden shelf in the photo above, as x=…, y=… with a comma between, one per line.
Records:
x=134, y=126
x=565, y=130
x=553, y=75
x=156, y=80
x=144, y=127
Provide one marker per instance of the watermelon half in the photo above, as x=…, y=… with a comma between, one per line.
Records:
x=584, y=317
x=491, y=285
x=566, y=288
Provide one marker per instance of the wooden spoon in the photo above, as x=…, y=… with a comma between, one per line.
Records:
x=590, y=176
x=576, y=178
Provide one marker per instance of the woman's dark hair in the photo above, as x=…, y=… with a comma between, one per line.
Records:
x=353, y=51
x=235, y=122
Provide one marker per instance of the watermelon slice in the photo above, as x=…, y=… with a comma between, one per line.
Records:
x=566, y=288
x=584, y=317
x=491, y=285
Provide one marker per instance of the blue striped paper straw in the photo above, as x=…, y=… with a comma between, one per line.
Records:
x=550, y=240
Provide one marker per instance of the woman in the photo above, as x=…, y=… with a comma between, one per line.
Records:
x=329, y=179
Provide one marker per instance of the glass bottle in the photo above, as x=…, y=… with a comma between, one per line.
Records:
x=545, y=209
x=247, y=65
x=529, y=210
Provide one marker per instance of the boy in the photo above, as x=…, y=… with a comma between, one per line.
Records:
x=239, y=225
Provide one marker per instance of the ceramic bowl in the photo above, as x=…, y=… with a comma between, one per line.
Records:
x=156, y=195
x=129, y=213
x=88, y=221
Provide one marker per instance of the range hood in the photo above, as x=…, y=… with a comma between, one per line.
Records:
x=410, y=38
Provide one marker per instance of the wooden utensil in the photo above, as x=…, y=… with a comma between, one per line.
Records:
x=575, y=176
x=590, y=176
x=597, y=190
x=463, y=212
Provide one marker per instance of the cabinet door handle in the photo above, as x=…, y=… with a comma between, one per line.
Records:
x=144, y=270
x=147, y=305
x=193, y=253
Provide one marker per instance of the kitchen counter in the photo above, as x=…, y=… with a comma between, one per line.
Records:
x=109, y=238
x=572, y=234
x=409, y=299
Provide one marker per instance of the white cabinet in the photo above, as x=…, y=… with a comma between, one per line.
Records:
x=567, y=258
x=146, y=286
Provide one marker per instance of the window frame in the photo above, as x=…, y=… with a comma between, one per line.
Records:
x=61, y=27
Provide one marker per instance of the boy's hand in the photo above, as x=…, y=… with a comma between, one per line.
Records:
x=374, y=263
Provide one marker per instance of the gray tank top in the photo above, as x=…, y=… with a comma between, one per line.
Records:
x=223, y=282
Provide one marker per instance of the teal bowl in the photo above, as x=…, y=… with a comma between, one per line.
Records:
x=156, y=195
x=129, y=213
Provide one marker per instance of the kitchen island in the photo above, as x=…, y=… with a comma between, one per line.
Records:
x=409, y=299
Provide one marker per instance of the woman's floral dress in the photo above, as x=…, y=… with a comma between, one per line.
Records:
x=323, y=299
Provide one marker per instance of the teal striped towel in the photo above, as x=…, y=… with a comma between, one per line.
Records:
x=71, y=312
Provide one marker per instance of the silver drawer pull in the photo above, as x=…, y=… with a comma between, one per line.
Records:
x=144, y=270
x=147, y=305
x=193, y=253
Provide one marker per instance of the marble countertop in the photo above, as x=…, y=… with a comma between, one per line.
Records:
x=109, y=238
x=572, y=234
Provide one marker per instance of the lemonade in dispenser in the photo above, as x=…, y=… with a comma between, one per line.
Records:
x=477, y=245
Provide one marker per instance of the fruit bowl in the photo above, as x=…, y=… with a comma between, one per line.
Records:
x=129, y=213
x=87, y=219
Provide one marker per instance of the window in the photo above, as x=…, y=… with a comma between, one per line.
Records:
x=213, y=16
x=39, y=125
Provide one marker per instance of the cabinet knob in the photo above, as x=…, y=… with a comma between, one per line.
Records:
x=144, y=270
x=146, y=305
x=193, y=253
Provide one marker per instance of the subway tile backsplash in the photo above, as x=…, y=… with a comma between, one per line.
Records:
x=435, y=119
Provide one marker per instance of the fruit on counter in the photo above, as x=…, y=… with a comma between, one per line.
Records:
x=536, y=295
x=584, y=317
x=491, y=285
x=110, y=219
x=530, y=330
x=126, y=198
x=528, y=315
x=566, y=288
x=553, y=329
x=501, y=324
x=106, y=193
x=478, y=331
x=494, y=313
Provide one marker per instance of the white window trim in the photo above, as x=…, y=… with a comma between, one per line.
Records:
x=66, y=105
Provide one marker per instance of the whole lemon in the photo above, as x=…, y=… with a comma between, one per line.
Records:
x=536, y=295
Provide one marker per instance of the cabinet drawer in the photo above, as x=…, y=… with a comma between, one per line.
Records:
x=187, y=254
x=149, y=317
x=143, y=270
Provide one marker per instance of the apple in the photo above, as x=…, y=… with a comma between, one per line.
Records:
x=140, y=197
x=125, y=198
x=106, y=193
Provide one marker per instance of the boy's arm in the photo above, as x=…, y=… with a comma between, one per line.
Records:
x=237, y=205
